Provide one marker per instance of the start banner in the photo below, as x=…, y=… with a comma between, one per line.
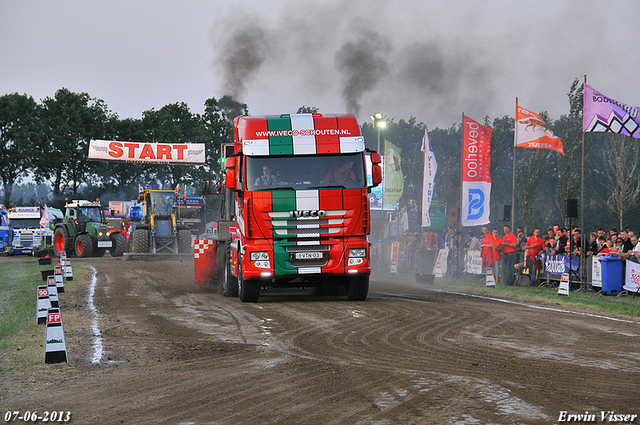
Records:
x=147, y=153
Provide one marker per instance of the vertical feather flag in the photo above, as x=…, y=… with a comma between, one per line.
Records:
x=429, y=174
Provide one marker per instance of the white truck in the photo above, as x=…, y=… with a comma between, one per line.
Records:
x=27, y=232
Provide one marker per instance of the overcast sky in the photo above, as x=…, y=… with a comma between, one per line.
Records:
x=425, y=59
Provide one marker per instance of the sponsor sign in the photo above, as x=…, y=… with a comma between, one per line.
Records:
x=559, y=264
x=632, y=278
x=473, y=262
x=476, y=177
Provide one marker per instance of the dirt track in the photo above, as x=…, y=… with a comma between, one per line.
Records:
x=177, y=353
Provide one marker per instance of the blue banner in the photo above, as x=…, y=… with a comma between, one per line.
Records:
x=559, y=264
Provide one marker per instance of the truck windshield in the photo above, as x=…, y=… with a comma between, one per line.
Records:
x=25, y=223
x=161, y=203
x=299, y=172
x=89, y=214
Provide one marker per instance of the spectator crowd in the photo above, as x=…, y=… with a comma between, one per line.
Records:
x=501, y=247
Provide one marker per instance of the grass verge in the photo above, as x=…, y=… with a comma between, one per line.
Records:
x=626, y=307
x=21, y=338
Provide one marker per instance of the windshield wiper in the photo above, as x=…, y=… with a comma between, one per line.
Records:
x=330, y=186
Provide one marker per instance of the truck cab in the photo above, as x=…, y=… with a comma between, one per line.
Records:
x=300, y=204
x=27, y=232
x=6, y=232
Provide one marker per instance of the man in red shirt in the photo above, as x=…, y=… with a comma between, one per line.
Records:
x=497, y=249
x=509, y=242
x=341, y=174
x=487, y=249
x=535, y=244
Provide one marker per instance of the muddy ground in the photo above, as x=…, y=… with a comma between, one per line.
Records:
x=168, y=351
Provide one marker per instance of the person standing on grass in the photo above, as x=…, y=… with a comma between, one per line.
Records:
x=497, y=250
x=508, y=253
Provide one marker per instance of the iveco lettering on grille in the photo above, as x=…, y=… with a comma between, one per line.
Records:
x=314, y=213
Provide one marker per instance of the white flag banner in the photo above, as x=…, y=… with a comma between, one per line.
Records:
x=147, y=153
x=429, y=174
x=632, y=278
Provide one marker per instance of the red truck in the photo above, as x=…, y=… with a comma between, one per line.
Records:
x=298, y=208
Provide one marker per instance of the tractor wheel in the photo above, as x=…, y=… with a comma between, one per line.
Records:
x=84, y=246
x=357, y=288
x=184, y=241
x=248, y=290
x=119, y=245
x=62, y=242
x=229, y=282
x=141, y=241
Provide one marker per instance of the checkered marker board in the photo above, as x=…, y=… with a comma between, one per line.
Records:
x=205, y=260
x=202, y=245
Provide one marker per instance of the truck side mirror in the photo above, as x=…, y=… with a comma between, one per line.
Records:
x=376, y=169
x=230, y=172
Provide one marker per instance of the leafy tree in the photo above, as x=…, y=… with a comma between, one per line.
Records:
x=18, y=134
x=68, y=122
x=218, y=132
x=307, y=110
x=174, y=123
x=231, y=108
x=621, y=177
x=119, y=180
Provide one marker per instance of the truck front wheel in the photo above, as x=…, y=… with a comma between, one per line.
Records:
x=61, y=242
x=84, y=246
x=229, y=282
x=248, y=290
x=357, y=288
x=184, y=241
x=141, y=241
x=119, y=245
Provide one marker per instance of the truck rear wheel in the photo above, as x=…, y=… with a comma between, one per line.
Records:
x=357, y=288
x=141, y=241
x=84, y=246
x=248, y=290
x=119, y=245
x=62, y=242
x=229, y=282
x=184, y=241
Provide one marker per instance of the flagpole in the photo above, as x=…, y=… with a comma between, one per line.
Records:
x=513, y=187
x=584, y=233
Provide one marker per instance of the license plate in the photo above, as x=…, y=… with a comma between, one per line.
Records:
x=308, y=255
x=104, y=244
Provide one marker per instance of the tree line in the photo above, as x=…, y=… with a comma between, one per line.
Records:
x=48, y=140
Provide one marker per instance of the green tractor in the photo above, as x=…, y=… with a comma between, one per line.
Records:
x=161, y=229
x=84, y=231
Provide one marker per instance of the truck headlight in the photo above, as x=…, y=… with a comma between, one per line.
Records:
x=260, y=259
x=357, y=256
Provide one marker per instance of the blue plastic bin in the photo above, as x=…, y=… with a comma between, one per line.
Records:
x=612, y=275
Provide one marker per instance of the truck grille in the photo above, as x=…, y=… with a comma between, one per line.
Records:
x=330, y=225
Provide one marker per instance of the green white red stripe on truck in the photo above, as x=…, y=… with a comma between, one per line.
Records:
x=305, y=134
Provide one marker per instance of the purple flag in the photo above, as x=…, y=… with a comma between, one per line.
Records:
x=603, y=114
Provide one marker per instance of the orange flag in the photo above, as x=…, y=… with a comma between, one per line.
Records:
x=533, y=132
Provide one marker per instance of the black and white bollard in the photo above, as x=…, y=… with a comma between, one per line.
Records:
x=68, y=272
x=55, y=347
x=43, y=304
x=57, y=273
x=53, y=291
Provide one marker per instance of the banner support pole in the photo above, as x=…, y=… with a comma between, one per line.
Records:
x=583, y=286
x=513, y=186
